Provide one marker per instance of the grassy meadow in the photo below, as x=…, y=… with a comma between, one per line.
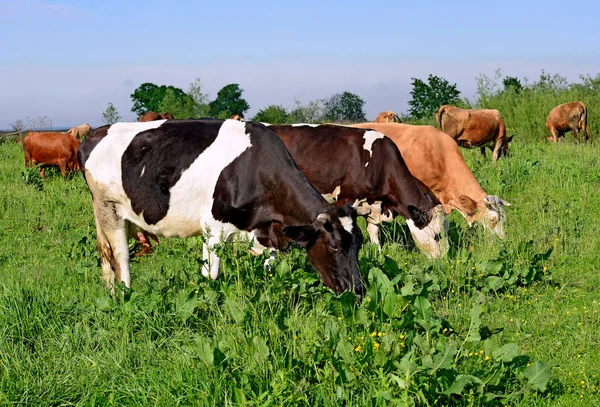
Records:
x=498, y=322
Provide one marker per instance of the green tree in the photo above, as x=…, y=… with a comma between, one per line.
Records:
x=345, y=106
x=428, y=97
x=229, y=102
x=274, y=114
x=192, y=105
x=313, y=112
x=148, y=96
x=512, y=83
x=201, y=106
x=110, y=115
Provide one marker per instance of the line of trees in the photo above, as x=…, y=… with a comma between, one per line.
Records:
x=518, y=101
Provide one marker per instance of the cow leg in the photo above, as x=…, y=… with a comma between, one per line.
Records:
x=63, y=167
x=496, y=152
x=482, y=149
x=43, y=172
x=211, y=266
x=554, y=133
x=146, y=245
x=373, y=231
x=112, y=245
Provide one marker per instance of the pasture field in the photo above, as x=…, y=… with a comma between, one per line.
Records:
x=484, y=326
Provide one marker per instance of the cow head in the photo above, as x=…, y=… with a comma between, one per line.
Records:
x=494, y=217
x=332, y=242
x=432, y=239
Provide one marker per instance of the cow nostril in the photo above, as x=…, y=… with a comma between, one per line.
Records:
x=437, y=237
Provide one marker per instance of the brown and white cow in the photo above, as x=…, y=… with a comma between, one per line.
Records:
x=436, y=161
x=472, y=128
x=237, y=117
x=568, y=117
x=152, y=116
x=216, y=178
x=80, y=132
x=353, y=166
x=387, y=117
x=51, y=148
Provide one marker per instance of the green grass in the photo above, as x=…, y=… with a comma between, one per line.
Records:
x=257, y=338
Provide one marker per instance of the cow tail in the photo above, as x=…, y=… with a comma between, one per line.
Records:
x=583, y=121
x=438, y=116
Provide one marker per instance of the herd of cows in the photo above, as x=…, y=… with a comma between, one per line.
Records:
x=278, y=184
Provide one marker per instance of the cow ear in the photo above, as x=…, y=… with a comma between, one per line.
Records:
x=468, y=204
x=300, y=234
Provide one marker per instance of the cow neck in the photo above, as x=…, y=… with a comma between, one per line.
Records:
x=303, y=203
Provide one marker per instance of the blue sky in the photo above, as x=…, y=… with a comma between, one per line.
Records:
x=68, y=59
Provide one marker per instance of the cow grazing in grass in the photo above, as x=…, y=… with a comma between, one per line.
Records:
x=152, y=116
x=435, y=160
x=354, y=166
x=50, y=148
x=472, y=128
x=185, y=177
x=80, y=132
x=568, y=117
x=387, y=117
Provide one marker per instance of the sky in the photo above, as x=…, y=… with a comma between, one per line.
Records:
x=66, y=59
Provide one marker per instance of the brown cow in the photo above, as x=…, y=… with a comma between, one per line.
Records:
x=80, y=132
x=151, y=116
x=237, y=117
x=568, y=116
x=51, y=148
x=472, y=128
x=387, y=117
x=435, y=160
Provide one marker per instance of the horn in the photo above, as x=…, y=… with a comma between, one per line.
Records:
x=363, y=211
x=323, y=218
x=503, y=202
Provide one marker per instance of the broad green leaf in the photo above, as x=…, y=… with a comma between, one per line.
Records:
x=494, y=283
x=389, y=303
x=235, y=310
x=261, y=350
x=444, y=359
x=423, y=308
x=474, y=335
x=399, y=381
x=461, y=381
x=538, y=375
x=406, y=365
x=345, y=350
x=185, y=305
x=205, y=350
x=507, y=352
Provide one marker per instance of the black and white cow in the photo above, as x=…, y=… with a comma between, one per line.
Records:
x=183, y=177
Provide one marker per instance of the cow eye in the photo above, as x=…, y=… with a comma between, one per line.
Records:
x=333, y=248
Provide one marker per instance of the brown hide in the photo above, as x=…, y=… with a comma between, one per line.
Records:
x=80, y=132
x=387, y=117
x=435, y=160
x=475, y=128
x=51, y=148
x=151, y=116
x=568, y=117
x=237, y=117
